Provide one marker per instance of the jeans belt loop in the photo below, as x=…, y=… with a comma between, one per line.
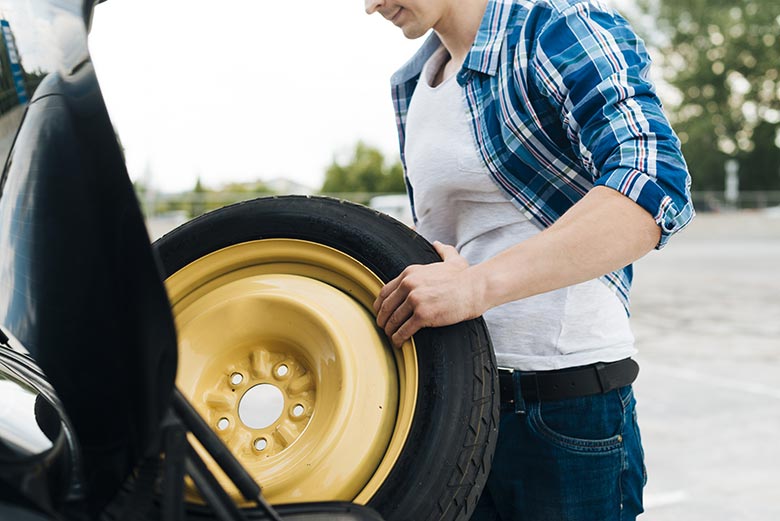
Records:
x=603, y=383
x=519, y=401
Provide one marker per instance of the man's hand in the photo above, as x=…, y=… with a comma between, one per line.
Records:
x=430, y=295
x=601, y=233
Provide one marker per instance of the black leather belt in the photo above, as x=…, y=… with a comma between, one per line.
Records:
x=569, y=383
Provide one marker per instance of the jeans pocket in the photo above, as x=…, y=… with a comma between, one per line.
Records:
x=591, y=424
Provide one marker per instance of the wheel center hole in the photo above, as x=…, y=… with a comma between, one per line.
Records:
x=261, y=406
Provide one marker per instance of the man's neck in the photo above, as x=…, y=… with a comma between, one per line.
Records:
x=458, y=28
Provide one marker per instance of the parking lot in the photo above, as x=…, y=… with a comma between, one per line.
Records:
x=706, y=315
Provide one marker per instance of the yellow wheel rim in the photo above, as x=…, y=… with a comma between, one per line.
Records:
x=285, y=328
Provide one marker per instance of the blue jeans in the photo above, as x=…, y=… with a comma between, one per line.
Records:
x=578, y=459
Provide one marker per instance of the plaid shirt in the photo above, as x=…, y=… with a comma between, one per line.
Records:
x=560, y=102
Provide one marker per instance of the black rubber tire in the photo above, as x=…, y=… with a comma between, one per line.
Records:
x=447, y=457
x=322, y=511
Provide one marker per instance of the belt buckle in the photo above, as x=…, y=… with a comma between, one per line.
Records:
x=511, y=379
x=506, y=385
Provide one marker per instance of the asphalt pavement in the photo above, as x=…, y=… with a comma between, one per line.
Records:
x=706, y=316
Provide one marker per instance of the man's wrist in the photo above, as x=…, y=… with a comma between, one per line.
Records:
x=479, y=280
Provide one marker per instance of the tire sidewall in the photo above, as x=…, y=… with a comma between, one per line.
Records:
x=443, y=466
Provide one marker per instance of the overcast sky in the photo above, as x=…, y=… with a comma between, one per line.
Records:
x=238, y=90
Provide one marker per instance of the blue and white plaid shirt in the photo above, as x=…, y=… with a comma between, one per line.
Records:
x=560, y=102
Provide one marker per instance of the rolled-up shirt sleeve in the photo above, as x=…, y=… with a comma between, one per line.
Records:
x=589, y=60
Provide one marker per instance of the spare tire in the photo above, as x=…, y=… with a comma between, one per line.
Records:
x=280, y=353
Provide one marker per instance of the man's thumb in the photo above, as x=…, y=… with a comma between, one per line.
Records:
x=445, y=251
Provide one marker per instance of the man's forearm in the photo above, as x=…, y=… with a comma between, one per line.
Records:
x=603, y=232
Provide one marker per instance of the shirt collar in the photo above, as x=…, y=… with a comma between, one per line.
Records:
x=486, y=49
x=484, y=53
x=414, y=66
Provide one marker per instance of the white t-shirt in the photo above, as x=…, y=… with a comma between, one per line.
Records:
x=458, y=203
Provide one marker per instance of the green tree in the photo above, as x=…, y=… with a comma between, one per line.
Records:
x=202, y=199
x=723, y=58
x=364, y=173
x=246, y=190
x=198, y=200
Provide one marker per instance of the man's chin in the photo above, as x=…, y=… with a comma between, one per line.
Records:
x=413, y=33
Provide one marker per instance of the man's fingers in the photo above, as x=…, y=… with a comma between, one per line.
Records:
x=388, y=305
x=385, y=292
x=398, y=318
x=445, y=251
x=393, y=293
x=405, y=332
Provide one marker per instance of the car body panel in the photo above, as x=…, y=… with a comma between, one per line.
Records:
x=79, y=284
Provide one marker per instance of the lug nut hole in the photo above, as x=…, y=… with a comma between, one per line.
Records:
x=223, y=424
x=282, y=371
x=260, y=444
x=236, y=378
x=298, y=411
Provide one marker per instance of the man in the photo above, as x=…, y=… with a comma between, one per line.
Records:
x=535, y=147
